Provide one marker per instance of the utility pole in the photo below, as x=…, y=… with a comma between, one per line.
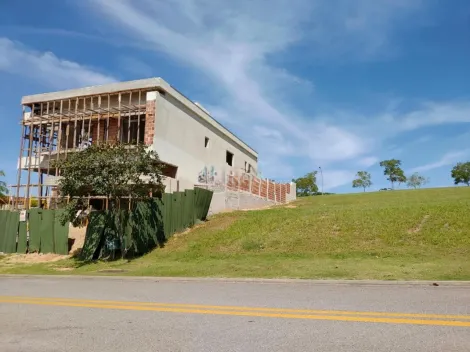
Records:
x=321, y=173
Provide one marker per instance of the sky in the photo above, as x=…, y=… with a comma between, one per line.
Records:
x=335, y=84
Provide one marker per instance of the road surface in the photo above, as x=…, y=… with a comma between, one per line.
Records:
x=115, y=314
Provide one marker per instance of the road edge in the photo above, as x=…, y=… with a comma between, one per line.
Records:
x=245, y=280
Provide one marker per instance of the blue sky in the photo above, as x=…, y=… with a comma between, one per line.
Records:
x=338, y=84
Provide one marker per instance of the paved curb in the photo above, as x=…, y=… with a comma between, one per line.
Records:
x=465, y=284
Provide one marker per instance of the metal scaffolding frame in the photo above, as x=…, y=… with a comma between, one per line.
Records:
x=52, y=129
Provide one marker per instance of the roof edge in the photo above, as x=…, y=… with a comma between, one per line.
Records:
x=148, y=83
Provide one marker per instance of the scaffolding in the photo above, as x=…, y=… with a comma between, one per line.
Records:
x=50, y=130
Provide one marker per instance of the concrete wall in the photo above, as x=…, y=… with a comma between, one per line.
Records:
x=179, y=139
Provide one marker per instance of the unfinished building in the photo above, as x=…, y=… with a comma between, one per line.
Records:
x=196, y=149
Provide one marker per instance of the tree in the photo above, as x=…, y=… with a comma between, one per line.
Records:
x=416, y=181
x=307, y=185
x=362, y=180
x=3, y=187
x=114, y=171
x=393, y=170
x=461, y=173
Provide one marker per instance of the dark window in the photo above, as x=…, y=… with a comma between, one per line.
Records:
x=229, y=158
x=206, y=142
x=169, y=170
x=130, y=131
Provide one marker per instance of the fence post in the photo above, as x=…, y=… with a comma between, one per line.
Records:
x=267, y=189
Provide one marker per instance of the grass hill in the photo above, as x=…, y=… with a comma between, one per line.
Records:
x=409, y=234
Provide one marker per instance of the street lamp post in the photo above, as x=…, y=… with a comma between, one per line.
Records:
x=321, y=173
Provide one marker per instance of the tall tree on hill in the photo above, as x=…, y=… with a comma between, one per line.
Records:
x=461, y=173
x=362, y=180
x=3, y=186
x=416, y=181
x=393, y=171
x=307, y=185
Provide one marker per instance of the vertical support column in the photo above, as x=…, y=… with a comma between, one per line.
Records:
x=75, y=124
x=30, y=152
x=150, y=118
x=39, y=146
x=20, y=162
x=138, y=117
x=119, y=119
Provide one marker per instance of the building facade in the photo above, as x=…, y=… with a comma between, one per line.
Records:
x=194, y=146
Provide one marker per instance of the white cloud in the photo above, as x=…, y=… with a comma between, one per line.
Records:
x=47, y=68
x=368, y=161
x=432, y=114
x=335, y=178
x=135, y=66
x=232, y=42
x=447, y=159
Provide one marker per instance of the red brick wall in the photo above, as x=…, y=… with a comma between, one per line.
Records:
x=264, y=192
x=94, y=133
x=245, y=184
x=283, y=192
x=271, y=191
x=255, y=186
x=149, y=122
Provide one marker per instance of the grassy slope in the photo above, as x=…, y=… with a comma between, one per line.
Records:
x=422, y=234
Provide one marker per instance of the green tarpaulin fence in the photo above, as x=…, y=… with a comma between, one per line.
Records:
x=8, y=230
x=147, y=225
x=46, y=234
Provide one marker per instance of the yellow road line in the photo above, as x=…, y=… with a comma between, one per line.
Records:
x=242, y=308
x=241, y=312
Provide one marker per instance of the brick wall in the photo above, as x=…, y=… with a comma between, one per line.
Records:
x=265, y=189
x=94, y=133
x=149, y=122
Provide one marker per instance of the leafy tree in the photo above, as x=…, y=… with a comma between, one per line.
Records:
x=3, y=187
x=392, y=169
x=401, y=179
x=416, y=181
x=362, y=180
x=461, y=173
x=307, y=185
x=114, y=171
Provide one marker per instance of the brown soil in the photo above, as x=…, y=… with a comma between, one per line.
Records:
x=420, y=225
x=34, y=258
x=77, y=238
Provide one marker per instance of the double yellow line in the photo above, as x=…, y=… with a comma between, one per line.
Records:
x=335, y=315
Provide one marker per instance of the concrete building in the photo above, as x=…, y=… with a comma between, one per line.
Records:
x=195, y=147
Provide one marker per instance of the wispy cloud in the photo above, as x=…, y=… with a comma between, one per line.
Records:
x=46, y=68
x=232, y=43
x=447, y=159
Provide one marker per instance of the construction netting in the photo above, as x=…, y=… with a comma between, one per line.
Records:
x=147, y=225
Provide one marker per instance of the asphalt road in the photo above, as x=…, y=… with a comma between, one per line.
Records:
x=101, y=314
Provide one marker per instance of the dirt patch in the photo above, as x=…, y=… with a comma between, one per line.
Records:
x=420, y=225
x=222, y=223
x=290, y=206
x=63, y=269
x=76, y=239
x=264, y=207
x=33, y=258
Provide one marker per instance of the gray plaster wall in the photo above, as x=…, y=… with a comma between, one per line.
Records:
x=179, y=140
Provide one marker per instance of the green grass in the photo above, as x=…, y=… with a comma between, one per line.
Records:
x=418, y=234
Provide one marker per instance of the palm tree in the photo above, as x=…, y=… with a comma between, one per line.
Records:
x=3, y=186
